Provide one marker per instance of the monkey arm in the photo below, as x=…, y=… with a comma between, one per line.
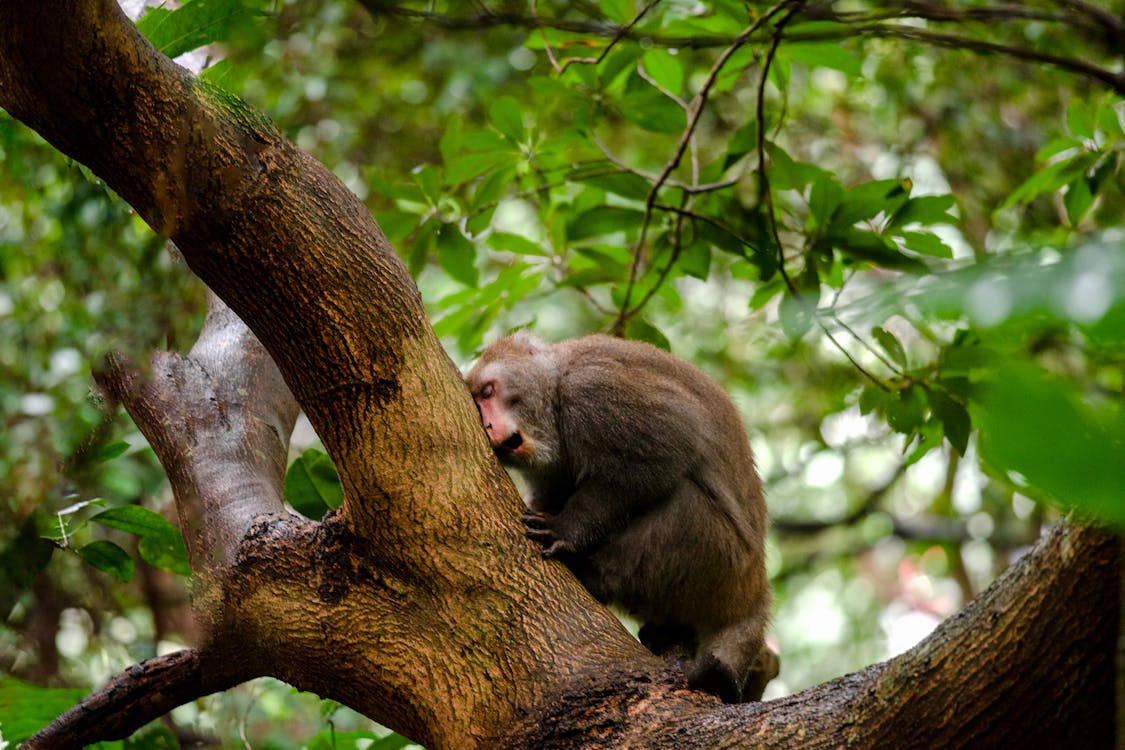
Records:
x=597, y=508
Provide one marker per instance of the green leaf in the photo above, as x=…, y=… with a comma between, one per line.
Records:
x=862, y=245
x=695, y=259
x=1038, y=430
x=469, y=166
x=664, y=68
x=1077, y=200
x=795, y=314
x=926, y=243
x=824, y=55
x=135, y=519
x=312, y=485
x=450, y=143
x=954, y=419
x=194, y=24
x=641, y=330
x=397, y=225
x=514, y=243
x=602, y=221
x=161, y=544
x=787, y=174
x=26, y=708
x=925, y=209
x=625, y=184
x=110, y=452
x=869, y=199
x=1051, y=177
x=1080, y=119
x=457, y=255
x=824, y=198
x=507, y=116
x=429, y=180
x=653, y=111
x=26, y=555
x=891, y=345
x=906, y=411
x=109, y=558
x=166, y=553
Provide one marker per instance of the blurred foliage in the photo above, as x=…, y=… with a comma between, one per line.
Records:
x=894, y=232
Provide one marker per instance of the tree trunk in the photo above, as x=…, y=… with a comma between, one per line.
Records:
x=419, y=603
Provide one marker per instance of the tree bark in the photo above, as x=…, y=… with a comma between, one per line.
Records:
x=419, y=603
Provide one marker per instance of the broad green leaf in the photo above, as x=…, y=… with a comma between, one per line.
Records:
x=161, y=544
x=653, y=111
x=824, y=55
x=450, y=144
x=787, y=174
x=621, y=11
x=429, y=180
x=602, y=221
x=110, y=452
x=492, y=187
x=639, y=329
x=906, y=411
x=954, y=419
x=1080, y=119
x=925, y=209
x=397, y=225
x=1057, y=146
x=1077, y=200
x=1109, y=122
x=824, y=198
x=873, y=399
x=1051, y=177
x=26, y=555
x=27, y=708
x=869, y=199
x=862, y=245
x=1038, y=430
x=664, y=68
x=891, y=345
x=108, y=558
x=695, y=259
x=795, y=314
x=926, y=243
x=194, y=24
x=625, y=184
x=514, y=243
x=469, y=166
x=457, y=255
x=507, y=116
x=312, y=485
x=136, y=519
x=165, y=552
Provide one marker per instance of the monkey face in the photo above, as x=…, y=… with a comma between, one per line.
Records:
x=513, y=386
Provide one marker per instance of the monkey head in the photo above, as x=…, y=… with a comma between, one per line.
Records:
x=515, y=386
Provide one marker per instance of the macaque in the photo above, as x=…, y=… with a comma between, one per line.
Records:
x=642, y=481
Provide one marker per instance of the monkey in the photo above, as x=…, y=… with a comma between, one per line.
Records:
x=642, y=481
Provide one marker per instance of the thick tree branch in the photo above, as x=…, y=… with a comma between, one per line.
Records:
x=144, y=692
x=1032, y=660
x=219, y=420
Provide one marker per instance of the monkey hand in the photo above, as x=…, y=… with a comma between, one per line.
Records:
x=541, y=527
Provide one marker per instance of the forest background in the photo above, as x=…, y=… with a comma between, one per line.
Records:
x=892, y=231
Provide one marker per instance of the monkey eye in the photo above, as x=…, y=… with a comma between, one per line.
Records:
x=487, y=391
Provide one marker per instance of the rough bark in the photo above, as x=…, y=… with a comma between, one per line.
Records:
x=420, y=603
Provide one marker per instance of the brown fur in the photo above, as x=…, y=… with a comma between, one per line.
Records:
x=641, y=480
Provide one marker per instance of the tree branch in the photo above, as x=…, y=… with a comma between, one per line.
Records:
x=219, y=420
x=138, y=695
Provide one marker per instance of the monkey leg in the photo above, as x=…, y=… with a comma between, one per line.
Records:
x=662, y=638
x=731, y=664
